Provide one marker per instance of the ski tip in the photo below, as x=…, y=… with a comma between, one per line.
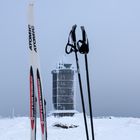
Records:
x=31, y=3
x=31, y=13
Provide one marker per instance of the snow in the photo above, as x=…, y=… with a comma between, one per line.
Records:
x=115, y=128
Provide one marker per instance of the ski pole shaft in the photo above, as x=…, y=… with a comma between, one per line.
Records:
x=82, y=96
x=89, y=97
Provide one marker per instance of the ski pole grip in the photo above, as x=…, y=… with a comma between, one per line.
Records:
x=73, y=33
x=83, y=45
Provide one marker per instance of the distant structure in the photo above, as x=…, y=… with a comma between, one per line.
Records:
x=63, y=90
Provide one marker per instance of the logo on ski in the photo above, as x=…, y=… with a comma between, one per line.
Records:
x=30, y=37
x=34, y=41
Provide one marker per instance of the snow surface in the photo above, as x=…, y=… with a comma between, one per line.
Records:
x=18, y=128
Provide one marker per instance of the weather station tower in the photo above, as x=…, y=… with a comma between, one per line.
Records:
x=63, y=90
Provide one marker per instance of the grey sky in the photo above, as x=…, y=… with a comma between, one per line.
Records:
x=113, y=28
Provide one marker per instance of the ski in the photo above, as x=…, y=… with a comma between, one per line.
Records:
x=35, y=76
x=33, y=100
x=42, y=111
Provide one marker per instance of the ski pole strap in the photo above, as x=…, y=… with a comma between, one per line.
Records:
x=83, y=46
x=71, y=47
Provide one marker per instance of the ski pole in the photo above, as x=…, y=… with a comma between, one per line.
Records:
x=83, y=48
x=73, y=48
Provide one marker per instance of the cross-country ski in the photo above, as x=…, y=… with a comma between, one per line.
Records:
x=35, y=82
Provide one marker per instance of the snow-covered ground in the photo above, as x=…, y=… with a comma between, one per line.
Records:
x=105, y=128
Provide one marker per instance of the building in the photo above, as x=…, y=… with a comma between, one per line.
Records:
x=63, y=90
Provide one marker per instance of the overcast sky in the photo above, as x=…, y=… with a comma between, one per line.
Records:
x=113, y=28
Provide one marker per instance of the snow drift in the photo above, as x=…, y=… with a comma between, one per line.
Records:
x=109, y=128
